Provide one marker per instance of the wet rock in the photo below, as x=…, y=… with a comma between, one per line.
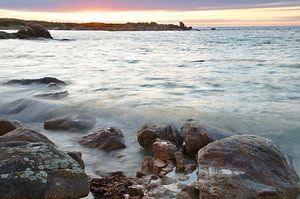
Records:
x=7, y=126
x=164, y=150
x=56, y=95
x=148, y=134
x=158, y=165
x=180, y=162
x=136, y=190
x=24, y=135
x=32, y=31
x=189, y=168
x=167, y=180
x=114, y=186
x=37, y=171
x=147, y=165
x=197, y=136
x=245, y=166
x=53, y=86
x=44, y=80
x=188, y=192
x=70, y=123
x=140, y=174
x=77, y=156
x=107, y=139
x=5, y=35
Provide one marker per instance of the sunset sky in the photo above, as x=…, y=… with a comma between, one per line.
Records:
x=192, y=12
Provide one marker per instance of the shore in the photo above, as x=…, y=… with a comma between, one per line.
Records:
x=16, y=24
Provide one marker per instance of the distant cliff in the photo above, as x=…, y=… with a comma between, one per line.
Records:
x=7, y=23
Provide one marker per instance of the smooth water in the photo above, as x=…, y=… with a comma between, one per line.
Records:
x=245, y=80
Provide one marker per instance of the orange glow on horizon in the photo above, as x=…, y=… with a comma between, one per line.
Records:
x=227, y=17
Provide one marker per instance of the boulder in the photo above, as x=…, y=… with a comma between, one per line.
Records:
x=32, y=31
x=245, y=166
x=39, y=171
x=70, y=123
x=107, y=139
x=148, y=134
x=24, y=135
x=7, y=126
x=197, y=136
x=44, y=80
x=164, y=150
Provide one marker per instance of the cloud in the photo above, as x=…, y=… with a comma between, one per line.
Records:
x=77, y=5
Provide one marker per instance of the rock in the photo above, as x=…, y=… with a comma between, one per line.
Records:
x=197, y=136
x=136, y=190
x=107, y=139
x=77, y=156
x=32, y=31
x=7, y=126
x=70, y=123
x=56, y=95
x=148, y=134
x=189, y=168
x=245, y=166
x=53, y=86
x=5, y=35
x=24, y=135
x=39, y=171
x=167, y=180
x=188, y=192
x=114, y=186
x=164, y=150
x=140, y=174
x=158, y=165
x=180, y=162
x=44, y=80
x=147, y=165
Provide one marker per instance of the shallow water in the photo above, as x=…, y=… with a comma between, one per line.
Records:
x=245, y=80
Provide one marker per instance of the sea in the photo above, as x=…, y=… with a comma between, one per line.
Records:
x=242, y=79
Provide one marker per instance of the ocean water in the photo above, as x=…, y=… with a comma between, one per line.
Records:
x=246, y=80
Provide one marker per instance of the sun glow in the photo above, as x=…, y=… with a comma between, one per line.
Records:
x=232, y=17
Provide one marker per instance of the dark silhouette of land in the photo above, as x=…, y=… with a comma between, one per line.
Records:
x=8, y=23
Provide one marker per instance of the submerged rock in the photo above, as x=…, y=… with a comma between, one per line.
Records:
x=24, y=135
x=70, y=123
x=37, y=171
x=7, y=126
x=107, y=139
x=197, y=136
x=148, y=134
x=44, y=80
x=245, y=166
x=56, y=95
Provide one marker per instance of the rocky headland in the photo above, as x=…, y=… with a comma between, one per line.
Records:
x=15, y=24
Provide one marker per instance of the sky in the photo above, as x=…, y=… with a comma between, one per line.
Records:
x=192, y=12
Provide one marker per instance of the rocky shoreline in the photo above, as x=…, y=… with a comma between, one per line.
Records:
x=196, y=161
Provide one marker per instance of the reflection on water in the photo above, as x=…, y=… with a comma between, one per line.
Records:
x=245, y=80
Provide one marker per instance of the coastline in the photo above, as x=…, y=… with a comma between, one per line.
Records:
x=14, y=24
